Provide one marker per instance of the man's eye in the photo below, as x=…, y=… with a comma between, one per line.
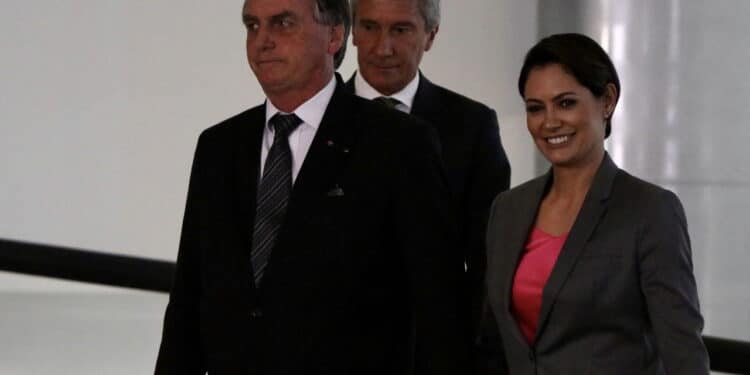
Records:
x=251, y=26
x=284, y=23
x=401, y=29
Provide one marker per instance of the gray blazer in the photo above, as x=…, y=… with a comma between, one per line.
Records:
x=621, y=298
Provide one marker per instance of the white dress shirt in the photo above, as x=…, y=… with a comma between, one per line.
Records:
x=311, y=113
x=405, y=96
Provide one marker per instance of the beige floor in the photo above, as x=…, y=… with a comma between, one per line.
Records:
x=80, y=333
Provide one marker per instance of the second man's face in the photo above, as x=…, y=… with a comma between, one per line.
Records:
x=390, y=36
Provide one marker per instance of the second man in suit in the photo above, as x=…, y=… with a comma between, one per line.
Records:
x=391, y=37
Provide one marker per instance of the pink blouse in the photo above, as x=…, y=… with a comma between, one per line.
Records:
x=534, y=269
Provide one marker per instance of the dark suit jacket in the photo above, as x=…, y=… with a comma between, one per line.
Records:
x=621, y=298
x=476, y=166
x=364, y=277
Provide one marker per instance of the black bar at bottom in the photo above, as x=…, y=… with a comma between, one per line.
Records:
x=86, y=266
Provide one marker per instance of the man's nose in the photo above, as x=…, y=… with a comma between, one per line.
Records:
x=261, y=39
x=384, y=46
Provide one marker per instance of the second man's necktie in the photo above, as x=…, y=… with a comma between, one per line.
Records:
x=387, y=101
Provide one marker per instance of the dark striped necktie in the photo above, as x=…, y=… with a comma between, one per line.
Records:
x=387, y=101
x=273, y=193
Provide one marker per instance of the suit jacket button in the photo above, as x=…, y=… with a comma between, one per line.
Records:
x=256, y=313
x=532, y=357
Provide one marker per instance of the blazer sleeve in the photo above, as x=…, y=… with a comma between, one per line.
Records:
x=180, y=351
x=488, y=354
x=669, y=287
x=426, y=235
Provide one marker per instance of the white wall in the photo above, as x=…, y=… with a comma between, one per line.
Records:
x=101, y=103
x=681, y=123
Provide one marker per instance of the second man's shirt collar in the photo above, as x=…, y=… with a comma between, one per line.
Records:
x=406, y=96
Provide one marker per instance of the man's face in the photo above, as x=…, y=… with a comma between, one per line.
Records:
x=288, y=50
x=390, y=37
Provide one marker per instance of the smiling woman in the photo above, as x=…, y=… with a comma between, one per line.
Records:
x=609, y=251
x=565, y=119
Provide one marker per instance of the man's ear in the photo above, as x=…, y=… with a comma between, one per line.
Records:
x=337, y=39
x=431, y=38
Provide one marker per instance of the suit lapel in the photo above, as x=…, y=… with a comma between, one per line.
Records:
x=330, y=148
x=248, y=146
x=247, y=166
x=318, y=176
x=592, y=210
x=425, y=101
x=349, y=85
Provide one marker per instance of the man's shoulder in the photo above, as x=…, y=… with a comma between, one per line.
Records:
x=232, y=125
x=449, y=100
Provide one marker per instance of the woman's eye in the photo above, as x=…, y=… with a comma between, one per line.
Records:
x=533, y=108
x=566, y=103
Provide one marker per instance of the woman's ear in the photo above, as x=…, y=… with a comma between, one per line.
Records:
x=610, y=98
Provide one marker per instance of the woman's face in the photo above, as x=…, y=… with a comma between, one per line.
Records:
x=564, y=118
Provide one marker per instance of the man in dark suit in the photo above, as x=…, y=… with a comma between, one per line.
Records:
x=391, y=36
x=316, y=237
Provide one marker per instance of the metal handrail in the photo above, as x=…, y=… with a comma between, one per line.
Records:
x=86, y=266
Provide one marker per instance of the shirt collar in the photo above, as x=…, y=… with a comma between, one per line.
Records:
x=310, y=112
x=406, y=96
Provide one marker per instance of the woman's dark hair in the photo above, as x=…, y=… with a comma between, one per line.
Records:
x=580, y=56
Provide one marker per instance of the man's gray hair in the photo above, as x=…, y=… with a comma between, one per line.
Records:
x=334, y=13
x=428, y=9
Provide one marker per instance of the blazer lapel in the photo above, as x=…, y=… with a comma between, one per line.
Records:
x=592, y=210
x=514, y=238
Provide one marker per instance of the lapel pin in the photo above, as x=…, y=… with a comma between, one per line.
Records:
x=337, y=191
x=332, y=144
